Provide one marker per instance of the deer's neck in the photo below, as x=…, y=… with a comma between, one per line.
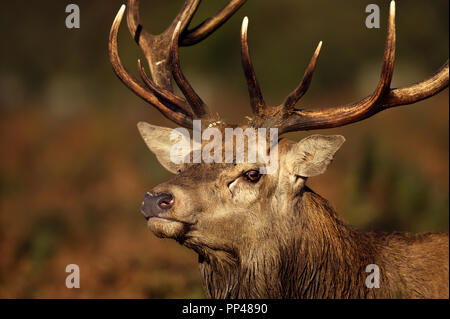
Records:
x=320, y=258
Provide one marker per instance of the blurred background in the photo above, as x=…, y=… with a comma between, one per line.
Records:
x=73, y=169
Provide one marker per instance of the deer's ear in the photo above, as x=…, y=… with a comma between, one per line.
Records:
x=161, y=141
x=312, y=155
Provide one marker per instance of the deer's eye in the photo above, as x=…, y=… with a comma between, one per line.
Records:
x=252, y=176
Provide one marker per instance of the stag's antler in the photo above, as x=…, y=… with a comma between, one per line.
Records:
x=162, y=55
x=287, y=118
x=161, y=52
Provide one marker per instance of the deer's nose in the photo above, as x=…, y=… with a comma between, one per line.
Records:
x=154, y=204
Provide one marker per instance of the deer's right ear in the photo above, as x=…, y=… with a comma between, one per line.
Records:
x=161, y=141
x=312, y=155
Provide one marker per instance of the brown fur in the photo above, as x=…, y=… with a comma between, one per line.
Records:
x=332, y=263
x=278, y=239
x=272, y=237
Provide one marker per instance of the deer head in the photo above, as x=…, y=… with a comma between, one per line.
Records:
x=228, y=211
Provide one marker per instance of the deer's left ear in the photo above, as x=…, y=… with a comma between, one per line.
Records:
x=312, y=155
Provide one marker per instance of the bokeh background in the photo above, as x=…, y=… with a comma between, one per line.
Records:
x=73, y=168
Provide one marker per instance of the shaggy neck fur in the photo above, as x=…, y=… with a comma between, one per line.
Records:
x=323, y=258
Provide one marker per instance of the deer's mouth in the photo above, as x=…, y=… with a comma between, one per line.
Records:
x=161, y=218
x=166, y=218
x=166, y=227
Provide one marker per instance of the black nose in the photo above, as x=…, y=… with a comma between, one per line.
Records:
x=154, y=204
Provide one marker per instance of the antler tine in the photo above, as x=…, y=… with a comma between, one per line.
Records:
x=134, y=22
x=256, y=98
x=207, y=27
x=383, y=97
x=198, y=106
x=161, y=52
x=174, y=111
x=419, y=91
x=368, y=105
x=155, y=47
x=302, y=88
x=169, y=97
x=387, y=70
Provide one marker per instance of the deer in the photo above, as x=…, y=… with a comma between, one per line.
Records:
x=269, y=235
